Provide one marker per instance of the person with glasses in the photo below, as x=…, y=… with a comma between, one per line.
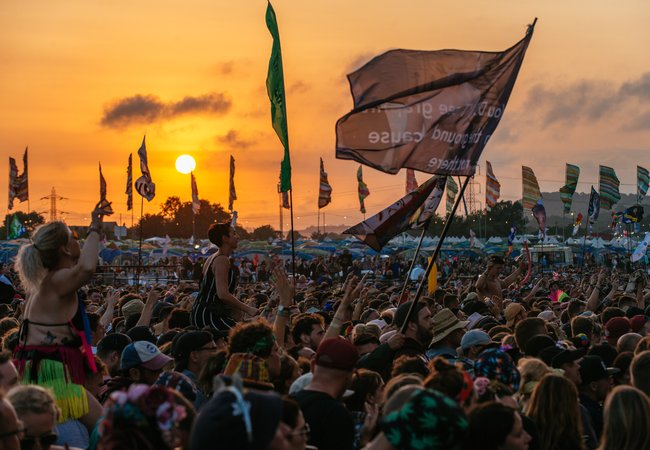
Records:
x=192, y=351
x=54, y=349
x=11, y=428
x=37, y=411
x=292, y=416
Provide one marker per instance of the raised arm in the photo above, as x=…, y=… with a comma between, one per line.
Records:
x=285, y=292
x=68, y=280
x=352, y=289
x=515, y=273
x=107, y=317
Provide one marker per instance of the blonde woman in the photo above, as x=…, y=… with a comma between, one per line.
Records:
x=627, y=420
x=54, y=347
x=532, y=370
x=37, y=410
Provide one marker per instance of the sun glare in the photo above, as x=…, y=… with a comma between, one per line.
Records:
x=185, y=164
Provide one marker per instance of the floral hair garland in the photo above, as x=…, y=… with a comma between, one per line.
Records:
x=143, y=405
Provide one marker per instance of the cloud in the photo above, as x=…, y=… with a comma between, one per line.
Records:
x=233, y=139
x=590, y=100
x=299, y=87
x=149, y=108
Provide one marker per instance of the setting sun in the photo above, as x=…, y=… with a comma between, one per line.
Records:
x=185, y=164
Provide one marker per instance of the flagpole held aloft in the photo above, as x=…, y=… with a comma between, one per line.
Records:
x=436, y=252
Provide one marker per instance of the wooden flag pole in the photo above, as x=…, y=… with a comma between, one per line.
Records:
x=436, y=252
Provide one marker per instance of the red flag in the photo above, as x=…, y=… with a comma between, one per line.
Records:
x=232, y=194
x=103, y=202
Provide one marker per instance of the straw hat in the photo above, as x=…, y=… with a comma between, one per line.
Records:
x=444, y=323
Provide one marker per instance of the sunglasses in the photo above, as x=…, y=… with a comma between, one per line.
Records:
x=45, y=441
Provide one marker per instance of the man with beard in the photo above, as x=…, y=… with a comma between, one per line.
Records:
x=418, y=330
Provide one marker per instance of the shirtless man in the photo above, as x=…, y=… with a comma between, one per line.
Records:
x=490, y=285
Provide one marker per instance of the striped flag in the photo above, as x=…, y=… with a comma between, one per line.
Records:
x=363, y=190
x=145, y=185
x=492, y=187
x=275, y=90
x=452, y=190
x=196, y=205
x=411, y=211
x=325, y=190
x=642, y=180
x=411, y=182
x=609, y=194
x=531, y=192
x=129, y=184
x=567, y=191
x=232, y=196
x=103, y=202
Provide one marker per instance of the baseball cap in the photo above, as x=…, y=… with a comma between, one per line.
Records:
x=637, y=322
x=592, y=368
x=538, y=343
x=617, y=327
x=113, y=342
x=403, y=310
x=145, y=354
x=337, y=353
x=189, y=342
x=475, y=337
x=134, y=306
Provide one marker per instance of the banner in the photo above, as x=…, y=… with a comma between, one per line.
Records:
x=232, y=194
x=567, y=191
x=196, y=204
x=325, y=190
x=129, y=184
x=609, y=194
x=362, y=189
x=492, y=188
x=531, y=193
x=22, y=182
x=452, y=190
x=642, y=249
x=18, y=184
x=539, y=212
x=511, y=238
x=432, y=111
x=411, y=182
x=630, y=215
x=275, y=90
x=145, y=185
x=16, y=229
x=411, y=211
x=13, y=176
x=576, y=225
x=642, y=180
x=594, y=207
x=103, y=202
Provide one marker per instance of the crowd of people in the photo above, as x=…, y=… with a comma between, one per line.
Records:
x=492, y=357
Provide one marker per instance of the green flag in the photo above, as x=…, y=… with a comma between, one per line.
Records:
x=16, y=229
x=275, y=89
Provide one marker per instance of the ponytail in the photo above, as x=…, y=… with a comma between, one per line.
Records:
x=42, y=254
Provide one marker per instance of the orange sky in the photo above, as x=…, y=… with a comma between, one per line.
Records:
x=191, y=75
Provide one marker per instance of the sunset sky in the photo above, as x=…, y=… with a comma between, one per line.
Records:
x=82, y=81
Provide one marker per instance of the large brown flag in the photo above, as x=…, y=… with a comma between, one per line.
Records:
x=432, y=111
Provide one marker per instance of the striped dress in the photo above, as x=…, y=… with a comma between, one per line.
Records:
x=208, y=310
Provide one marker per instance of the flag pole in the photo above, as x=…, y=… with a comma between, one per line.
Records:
x=293, y=242
x=425, y=227
x=137, y=273
x=436, y=252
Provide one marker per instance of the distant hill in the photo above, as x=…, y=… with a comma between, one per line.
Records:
x=580, y=204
